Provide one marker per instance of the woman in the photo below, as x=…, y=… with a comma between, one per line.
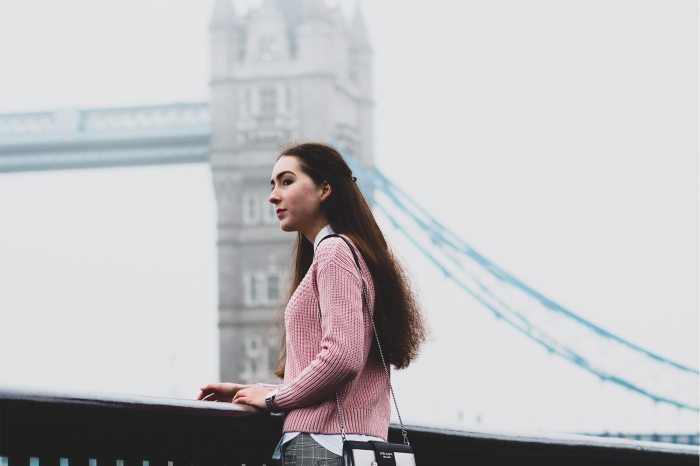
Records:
x=329, y=358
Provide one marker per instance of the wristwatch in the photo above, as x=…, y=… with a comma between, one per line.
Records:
x=271, y=403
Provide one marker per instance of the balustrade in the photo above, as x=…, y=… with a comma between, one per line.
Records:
x=66, y=429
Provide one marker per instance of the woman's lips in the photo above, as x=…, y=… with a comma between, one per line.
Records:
x=280, y=212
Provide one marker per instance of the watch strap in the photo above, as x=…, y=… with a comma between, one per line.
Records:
x=272, y=405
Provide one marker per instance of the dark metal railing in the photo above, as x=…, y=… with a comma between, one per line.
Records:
x=66, y=429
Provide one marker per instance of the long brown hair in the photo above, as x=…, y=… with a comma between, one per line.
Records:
x=397, y=315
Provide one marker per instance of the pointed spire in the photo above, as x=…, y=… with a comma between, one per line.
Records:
x=224, y=14
x=359, y=38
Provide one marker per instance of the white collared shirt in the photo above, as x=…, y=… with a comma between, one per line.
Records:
x=325, y=231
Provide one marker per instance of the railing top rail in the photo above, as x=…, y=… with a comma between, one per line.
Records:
x=560, y=439
x=428, y=434
x=121, y=400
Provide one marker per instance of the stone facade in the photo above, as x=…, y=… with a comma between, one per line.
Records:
x=287, y=71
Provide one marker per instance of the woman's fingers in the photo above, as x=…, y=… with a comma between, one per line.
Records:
x=239, y=394
x=217, y=387
x=203, y=396
x=252, y=395
x=224, y=391
x=242, y=395
x=208, y=392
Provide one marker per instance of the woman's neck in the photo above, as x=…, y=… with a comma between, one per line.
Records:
x=311, y=232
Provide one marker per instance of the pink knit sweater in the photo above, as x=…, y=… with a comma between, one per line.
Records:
x=329, y=357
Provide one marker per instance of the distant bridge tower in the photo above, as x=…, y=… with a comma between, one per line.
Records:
x=289, y=70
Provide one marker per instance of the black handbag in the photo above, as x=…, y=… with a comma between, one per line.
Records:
x=372, y=453
x=377, y=454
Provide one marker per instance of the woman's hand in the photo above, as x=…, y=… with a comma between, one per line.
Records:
x=252, y=395
x=221, y=391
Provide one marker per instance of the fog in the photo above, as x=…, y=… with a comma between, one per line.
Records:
x=558, y=138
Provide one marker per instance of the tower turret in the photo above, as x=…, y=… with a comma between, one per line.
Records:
x=362, y=71
x=316, y=38
x=360, y=51
x=267, y=35
x=227, y=39
x=281, y=73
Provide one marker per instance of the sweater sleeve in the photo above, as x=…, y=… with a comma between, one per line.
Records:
x=343, y=350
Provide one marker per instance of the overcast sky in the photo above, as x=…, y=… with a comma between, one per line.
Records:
x=558, y=138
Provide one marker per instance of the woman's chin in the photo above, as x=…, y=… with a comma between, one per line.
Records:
x=284, y=226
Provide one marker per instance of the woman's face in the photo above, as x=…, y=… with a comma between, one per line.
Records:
x=297, y=198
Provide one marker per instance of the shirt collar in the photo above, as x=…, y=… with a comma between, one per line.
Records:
x=325, y=231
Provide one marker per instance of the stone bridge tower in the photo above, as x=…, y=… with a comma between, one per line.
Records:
x=288, y=70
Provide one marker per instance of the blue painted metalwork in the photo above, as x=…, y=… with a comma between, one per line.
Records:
x=443, y=240
x=105, y=137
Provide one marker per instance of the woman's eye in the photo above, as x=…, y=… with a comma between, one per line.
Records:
x=286, y=182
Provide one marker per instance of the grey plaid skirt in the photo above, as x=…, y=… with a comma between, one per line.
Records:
x=303, y=450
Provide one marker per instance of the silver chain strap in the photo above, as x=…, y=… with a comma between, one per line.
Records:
x=340, y=416
x=404, y=434
x=365, y=302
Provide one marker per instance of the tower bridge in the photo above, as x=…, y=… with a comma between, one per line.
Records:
x=294, y=70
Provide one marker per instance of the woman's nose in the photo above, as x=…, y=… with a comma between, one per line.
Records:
x=274, y=197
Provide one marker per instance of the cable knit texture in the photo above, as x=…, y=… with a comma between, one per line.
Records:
x=331, y=354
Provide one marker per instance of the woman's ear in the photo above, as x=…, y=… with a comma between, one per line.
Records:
x=326, y=190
